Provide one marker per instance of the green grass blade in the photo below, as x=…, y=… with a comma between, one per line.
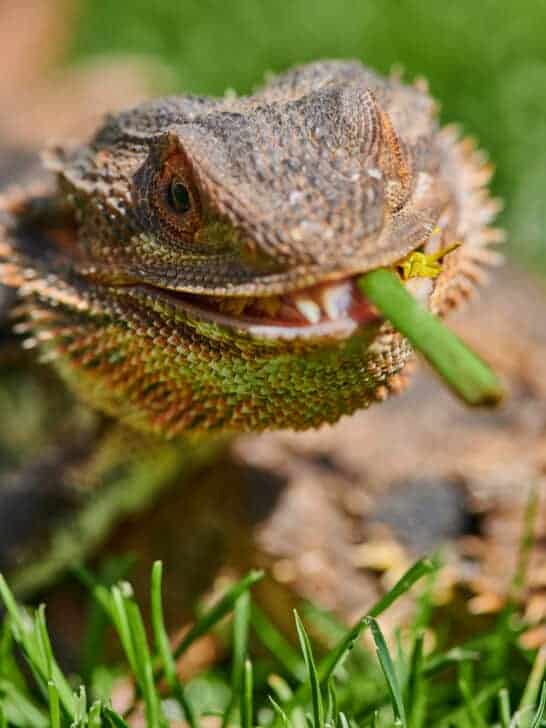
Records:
x=474, y=716
x=438, y=663
x=271, y=638
x=3, y=721
x=462, y=370
x=532, y=688
x=413, y=574
x=389, y=671
x=43, y=641
x=278, y=710
x=98, y=617
x=80, y=716
x=425, y=602
x=284, y=693
x=54, y=706
x=94, y=717
x=537, y=720
x=9, y=669
x=331, y=709
x=217, y=612
x=121, y=622
x=11, y=696
x=115, y=718
x=247, y=708
x=163, y=647
x=505, y=712
x=401, y=661
x=143, y=662
x=66, y=696
x=11, y=607
x=316, y=696
x=241, y=624
x=329, y=664
x=416, y=688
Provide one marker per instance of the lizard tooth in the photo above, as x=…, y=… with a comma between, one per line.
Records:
x=309, y=309
x=336, y=300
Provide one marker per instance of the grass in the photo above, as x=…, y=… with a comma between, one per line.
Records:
x=463, y=371
x=490, y=681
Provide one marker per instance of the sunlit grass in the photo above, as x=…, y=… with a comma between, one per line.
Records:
x=410, y=686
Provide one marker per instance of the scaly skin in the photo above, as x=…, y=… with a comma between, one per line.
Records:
x=167, y=269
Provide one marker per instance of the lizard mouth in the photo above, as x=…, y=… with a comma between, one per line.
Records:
x=325, y=310
x=328, y=309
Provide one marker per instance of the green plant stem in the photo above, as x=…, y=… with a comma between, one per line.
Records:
x=462, y=370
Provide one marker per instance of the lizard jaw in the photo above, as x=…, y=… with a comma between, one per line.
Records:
x=334, y=310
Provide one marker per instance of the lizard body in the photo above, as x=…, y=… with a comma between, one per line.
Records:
x=192, y=267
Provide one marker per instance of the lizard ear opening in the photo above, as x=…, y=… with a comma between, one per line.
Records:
x=164, y=191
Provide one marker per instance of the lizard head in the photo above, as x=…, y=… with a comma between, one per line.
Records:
x=214, y=245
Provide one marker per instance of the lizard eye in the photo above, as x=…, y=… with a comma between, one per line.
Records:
x=167, y=200
x=179, y=197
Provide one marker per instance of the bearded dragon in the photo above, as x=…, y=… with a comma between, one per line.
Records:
x=191, y=269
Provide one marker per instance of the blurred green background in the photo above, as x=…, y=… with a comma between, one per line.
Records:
x=485, y=61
